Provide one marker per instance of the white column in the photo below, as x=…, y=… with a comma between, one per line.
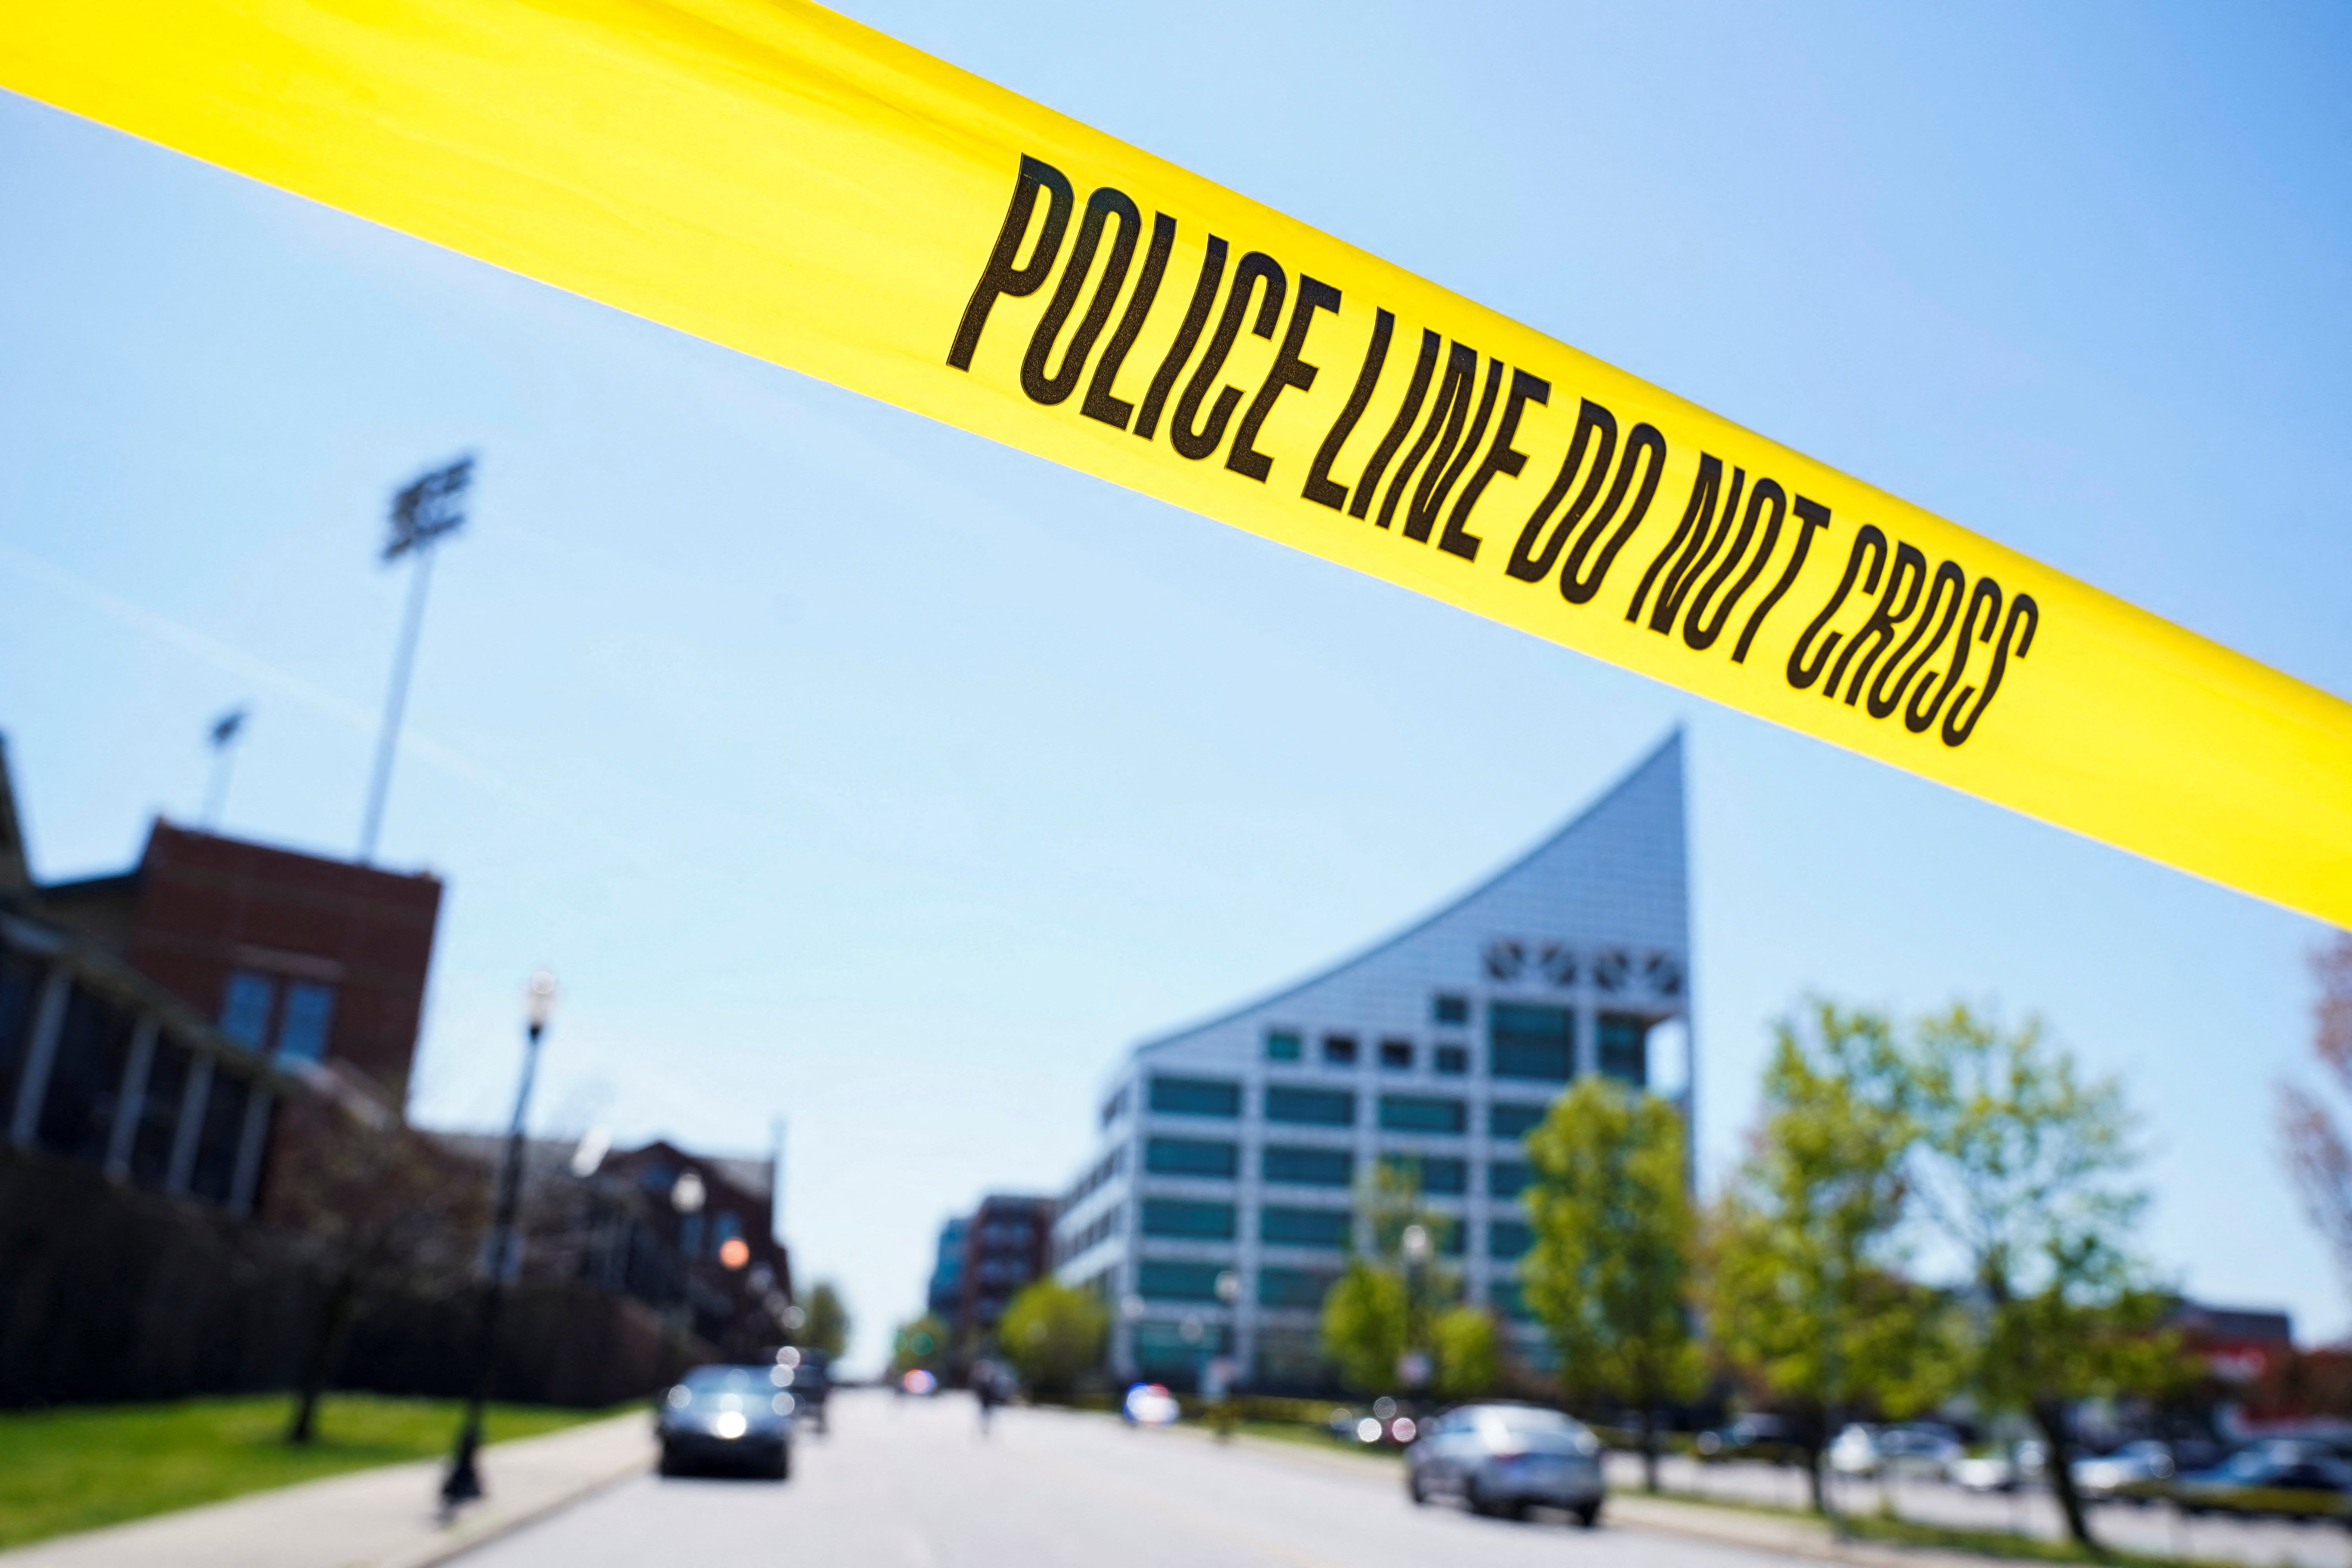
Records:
x=191, y=1121
x=132, y=1098
x=33, y=1086
x=249, y=1146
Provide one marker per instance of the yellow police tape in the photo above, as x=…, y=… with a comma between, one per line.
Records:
x=782, y=180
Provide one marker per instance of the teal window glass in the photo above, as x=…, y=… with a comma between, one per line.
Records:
x=1309, y=1167
x=1510, y=1298
x=1508, y=1238
x=1292, y=1287
x=1507, y=1118
x=1173, y=1350
x=1304, y=1227
x=1185, y=1217
x=309, y=1013
x=1196, y=1096
x=1448, y=1008
x=1453, y=1060
x=1508, y=1178
x=1190, y=1157
x=1311, y=1107
x=1166, y=1280
x=1282, y=1044
x=1430, y=1173
x=244, y=1008
x=1528, y=1040
x=1423, y=1113
x=1625, y=1047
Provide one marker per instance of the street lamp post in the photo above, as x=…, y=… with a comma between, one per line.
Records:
x=464, y=1483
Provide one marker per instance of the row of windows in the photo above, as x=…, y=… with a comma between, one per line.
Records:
x=1281, y=1225
x=1097, y=1231
x=1301, y=1106
x=1525, y=1040
x=1166, y=1280
x=1215, y=1159
x=1104, y=1170
x=1340, y=1050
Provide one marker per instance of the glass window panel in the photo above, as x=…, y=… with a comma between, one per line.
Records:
x=76, y=1115
x=1396, y=1056
x=1431, y=1172
x=1339, y=1050
x=1282, y=1044
x=1166, y=1280
x=1304, y=1227
x=1196, y=1097
x=1508, y=1178
x=1450, y=1009
x=1190, y=1157
x=20, y=990
x=1508, y=1119
x=1453, y=1059
x=1508, y=1238
x=1625, y=1047
x=310, y=1014
x=1292, y=1287
x=1309, y=1167
x=159, y=1112
x=1184, y=1216
x=1421, y=1113
x=244, y=1008
x=1531, y=1041
x=218, y=1136
x=1312, y=1107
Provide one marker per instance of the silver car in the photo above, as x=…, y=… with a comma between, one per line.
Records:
x=1503, y=1458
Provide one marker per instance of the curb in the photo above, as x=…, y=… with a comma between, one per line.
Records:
x=458, y=1544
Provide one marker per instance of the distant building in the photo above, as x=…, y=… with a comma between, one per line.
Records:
x=2237, y=1344
x=985, y=1259
x=946, y=1293
x=1218, y=1207
x=614, y=1220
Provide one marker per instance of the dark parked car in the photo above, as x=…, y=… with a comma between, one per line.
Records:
x=1503, y=1458
x=728, y=1417
x=2290, y=1478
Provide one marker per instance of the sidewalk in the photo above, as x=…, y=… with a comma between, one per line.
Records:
x=370, y=1519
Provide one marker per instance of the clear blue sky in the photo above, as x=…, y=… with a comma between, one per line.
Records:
x=853, y=770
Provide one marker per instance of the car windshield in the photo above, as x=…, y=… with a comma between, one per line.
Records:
x=1535, y=1423
x=709, y=1385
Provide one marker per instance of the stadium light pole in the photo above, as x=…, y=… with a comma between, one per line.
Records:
x=464, y=1482
x=430, y=509
x=223, y=736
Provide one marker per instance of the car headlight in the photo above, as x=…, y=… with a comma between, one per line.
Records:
x=729, y=1423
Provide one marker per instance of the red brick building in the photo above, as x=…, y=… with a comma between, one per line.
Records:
x=298, y=958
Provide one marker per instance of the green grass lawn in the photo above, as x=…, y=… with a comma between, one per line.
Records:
x=80, y=1467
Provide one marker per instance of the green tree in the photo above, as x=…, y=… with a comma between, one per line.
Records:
x=1610, y=1273
x=826, y=1325
x=1384, y=1309
x=2025, y=1168
x=922, y=1343
x=1364, y=1317
x=1054, y=1336
x=1805, y=1288
x=1468, y=1352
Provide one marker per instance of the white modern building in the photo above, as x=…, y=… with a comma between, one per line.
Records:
x=1218, y=1207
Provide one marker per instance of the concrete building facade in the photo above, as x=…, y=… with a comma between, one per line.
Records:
x=1222, y=1198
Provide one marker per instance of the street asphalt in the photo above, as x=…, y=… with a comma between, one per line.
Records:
x=913, y=1483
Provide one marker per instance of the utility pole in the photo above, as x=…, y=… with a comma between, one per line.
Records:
x=224, y=736
x=430, y=509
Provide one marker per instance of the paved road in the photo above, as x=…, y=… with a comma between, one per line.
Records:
x=2156, y=1529
x=912, y=1484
